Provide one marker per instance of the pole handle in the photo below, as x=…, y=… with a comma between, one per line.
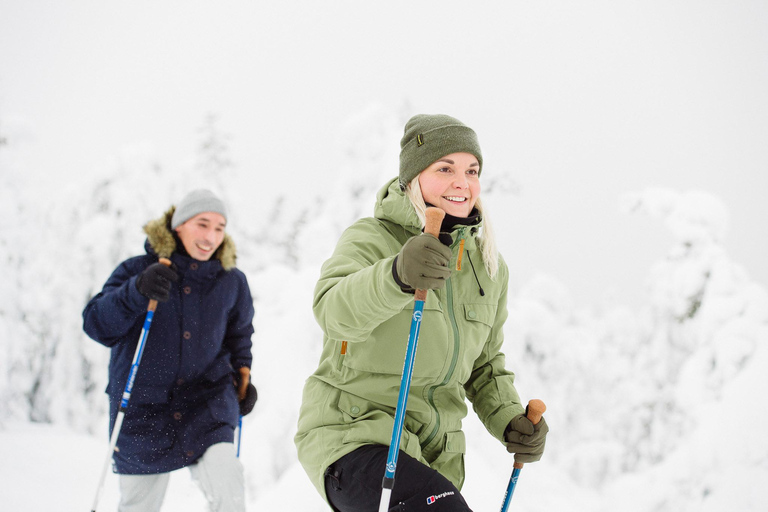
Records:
x=433, y=222
x=152, y=302
x=534, y=412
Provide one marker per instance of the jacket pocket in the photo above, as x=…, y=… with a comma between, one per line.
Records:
x=356, y=408
x=450, y=462
x=478, y=322
x=384, y=351
x=371, y=423
x=223, y=408
x=480, y=313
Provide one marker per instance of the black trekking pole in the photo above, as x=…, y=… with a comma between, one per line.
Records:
x=534, y=412
x=127, y=393
x=433, y=222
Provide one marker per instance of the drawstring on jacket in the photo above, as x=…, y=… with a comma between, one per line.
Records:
x=482, y=292
x=458, y=266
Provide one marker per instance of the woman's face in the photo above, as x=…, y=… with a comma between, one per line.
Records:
x=452, y=183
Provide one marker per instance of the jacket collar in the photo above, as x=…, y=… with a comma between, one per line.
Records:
x=393, y=205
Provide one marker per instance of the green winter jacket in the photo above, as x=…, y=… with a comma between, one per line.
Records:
x=350, y=400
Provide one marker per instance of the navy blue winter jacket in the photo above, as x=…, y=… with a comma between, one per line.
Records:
x=183, y=398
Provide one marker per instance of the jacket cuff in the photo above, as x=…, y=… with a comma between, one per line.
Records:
x=135, y=299
x=402, y=285
x=501, y=420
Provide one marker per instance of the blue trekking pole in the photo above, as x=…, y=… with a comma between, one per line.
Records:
x=239, y=433
x=433, y=221
x=534, y=412
x=128, y=389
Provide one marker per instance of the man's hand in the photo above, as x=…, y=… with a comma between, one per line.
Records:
x=155, y=282
x=242, y=382
x=246, y=392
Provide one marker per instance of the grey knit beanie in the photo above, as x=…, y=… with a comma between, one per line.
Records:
x=427, y=138
x=196, y=202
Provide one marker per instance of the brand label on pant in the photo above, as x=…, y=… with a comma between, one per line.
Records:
x=436, y=497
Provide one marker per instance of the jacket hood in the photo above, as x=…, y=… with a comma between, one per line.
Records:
x=160, y=238
x=394, y=206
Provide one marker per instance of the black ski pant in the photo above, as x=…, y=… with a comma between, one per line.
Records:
x=353, y=484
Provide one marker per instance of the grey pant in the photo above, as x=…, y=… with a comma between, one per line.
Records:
x=218, y=473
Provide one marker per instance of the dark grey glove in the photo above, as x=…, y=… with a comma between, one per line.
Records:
x=525, y=439
x=422, y=263
x=248, y=401
x=155, y=282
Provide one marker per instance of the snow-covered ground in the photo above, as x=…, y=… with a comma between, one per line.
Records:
x=55, y=468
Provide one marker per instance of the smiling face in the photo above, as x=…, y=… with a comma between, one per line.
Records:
x=202, y=234
x=452, y=183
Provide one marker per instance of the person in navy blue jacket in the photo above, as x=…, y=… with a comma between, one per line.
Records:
x=194, y=377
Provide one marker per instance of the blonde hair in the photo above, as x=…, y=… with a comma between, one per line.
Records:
x=486, y=239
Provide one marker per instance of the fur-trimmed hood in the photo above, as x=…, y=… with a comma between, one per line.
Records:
x=162, y=241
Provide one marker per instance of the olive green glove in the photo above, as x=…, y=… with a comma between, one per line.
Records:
x=525, y=439
x=422, y=263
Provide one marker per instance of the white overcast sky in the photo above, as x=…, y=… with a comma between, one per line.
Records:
x=577, y=102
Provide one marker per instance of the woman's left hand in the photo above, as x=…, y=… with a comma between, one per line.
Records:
x=525, y=439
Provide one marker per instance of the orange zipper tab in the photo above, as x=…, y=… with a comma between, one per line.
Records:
x=461, y=253
x=344, y=347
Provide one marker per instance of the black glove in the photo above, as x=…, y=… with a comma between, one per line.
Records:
x=246, y=404
x=155, y=282
x=249, y=402
x=422, y=263
x=525, y=439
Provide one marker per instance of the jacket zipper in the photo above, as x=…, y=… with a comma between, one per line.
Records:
x=454, y=357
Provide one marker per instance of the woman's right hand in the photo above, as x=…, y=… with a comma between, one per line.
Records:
x=423, y=263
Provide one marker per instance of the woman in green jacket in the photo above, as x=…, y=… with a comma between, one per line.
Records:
x=364, y=302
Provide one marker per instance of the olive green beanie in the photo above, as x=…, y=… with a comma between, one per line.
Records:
x=429, y=137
